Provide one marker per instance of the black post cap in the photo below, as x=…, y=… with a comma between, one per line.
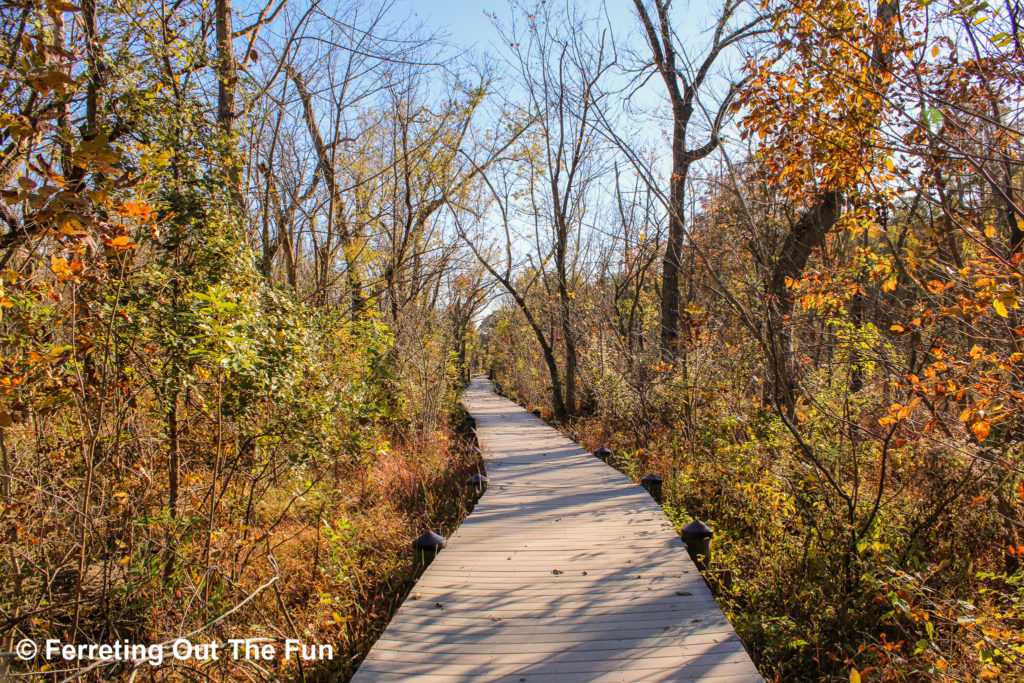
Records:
x=478, y=480
x=697, y=529
x=536, y=411
x=603, y=453
x=429, y=541
x=652, y=484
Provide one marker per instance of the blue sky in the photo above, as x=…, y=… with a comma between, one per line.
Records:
x=463, y=20
x=467, y=26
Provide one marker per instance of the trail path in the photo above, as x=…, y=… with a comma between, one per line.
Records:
x=565, y=571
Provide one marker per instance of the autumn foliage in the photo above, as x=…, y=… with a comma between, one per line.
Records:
x=250, y=255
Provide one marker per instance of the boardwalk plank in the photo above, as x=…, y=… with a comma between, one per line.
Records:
x=565, y=571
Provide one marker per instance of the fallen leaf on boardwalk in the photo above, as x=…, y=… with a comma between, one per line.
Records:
x=493, y=618
x=683, y=593
x=416, y=596
x=438, y=605
x=556, y=572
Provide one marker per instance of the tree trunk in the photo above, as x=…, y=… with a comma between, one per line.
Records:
x=227, y=84
x=806, y=234
x=671, y=265
x=337, y=211
x=227, y=75
x=93, y=97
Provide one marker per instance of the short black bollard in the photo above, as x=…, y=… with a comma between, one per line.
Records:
x=697, y=537
x=536, y=411
x=603, y=453
x=427, y=547
x=477, y=485
x=522, y=404
x=652, y=483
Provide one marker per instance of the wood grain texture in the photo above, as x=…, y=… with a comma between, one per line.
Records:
x=564, y=571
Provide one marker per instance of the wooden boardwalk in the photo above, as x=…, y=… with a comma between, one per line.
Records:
x=564, y=571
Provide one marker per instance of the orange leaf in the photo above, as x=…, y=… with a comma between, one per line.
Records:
x=120, y=242
x=980, y=429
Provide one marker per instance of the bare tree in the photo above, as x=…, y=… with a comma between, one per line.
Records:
x=558, y=65
x=683, y=83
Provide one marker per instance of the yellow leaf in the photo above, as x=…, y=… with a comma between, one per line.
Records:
x=1000, y=308
x=59, y=266
x=70, y=226
x=854, y=676
x=889, y=164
